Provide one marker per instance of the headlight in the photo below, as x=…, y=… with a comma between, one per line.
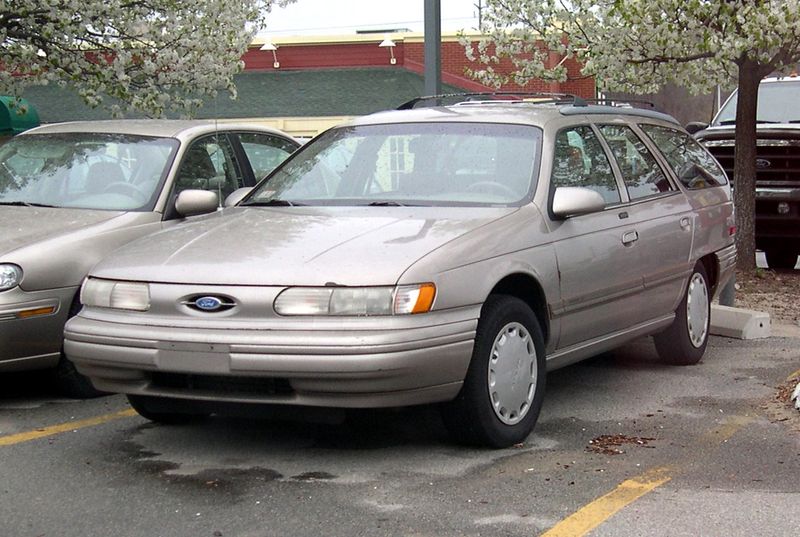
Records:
x=356, y=301
x=10, y=276
x=115, y=295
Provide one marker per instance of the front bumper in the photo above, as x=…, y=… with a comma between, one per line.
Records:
x=30, y=339
x=369, y=362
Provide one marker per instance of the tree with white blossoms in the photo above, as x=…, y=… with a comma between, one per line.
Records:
x=637, y=46
x=149, y=56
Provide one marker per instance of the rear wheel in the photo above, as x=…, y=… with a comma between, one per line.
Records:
x=684, y=342
x=164, y=410
x=499, y=403
x=781, y=259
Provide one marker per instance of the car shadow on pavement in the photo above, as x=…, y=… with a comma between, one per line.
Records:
x=28, y=384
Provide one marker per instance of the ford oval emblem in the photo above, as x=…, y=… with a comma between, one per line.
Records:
x=208, y=303
x=762, y=163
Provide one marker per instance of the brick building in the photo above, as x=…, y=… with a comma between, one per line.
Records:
x=305, y=84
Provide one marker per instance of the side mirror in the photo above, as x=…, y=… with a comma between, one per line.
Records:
x=694, y=127
x=575, y=200
x=194, y=202
x=236, y=196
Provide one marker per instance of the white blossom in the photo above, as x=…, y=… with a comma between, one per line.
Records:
x=634, y=45
x=150, y=55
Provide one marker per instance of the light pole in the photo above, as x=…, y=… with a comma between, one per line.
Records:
x=433, y=47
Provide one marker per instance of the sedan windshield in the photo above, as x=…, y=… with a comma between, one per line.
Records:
x=776, y=104
x=84, y=170
x=469, y=164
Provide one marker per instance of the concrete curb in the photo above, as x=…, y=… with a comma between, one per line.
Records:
x=739, y=323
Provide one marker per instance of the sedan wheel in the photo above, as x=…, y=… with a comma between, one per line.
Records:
x=499, y=403
x=684, y=342
x=512, y=373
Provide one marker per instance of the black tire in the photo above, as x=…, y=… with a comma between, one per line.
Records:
x=472, y=417
x=684, y=342
x=781, y=259
x=165, y=410
x=68, y=381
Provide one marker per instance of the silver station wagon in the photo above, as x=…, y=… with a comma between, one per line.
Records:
x=445, y=254
x=73, y=192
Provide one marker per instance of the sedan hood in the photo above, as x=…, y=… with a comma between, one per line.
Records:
x=25, y=226
x=295, y=245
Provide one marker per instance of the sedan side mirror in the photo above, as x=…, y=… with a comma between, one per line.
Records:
x=695, y=127
x=575, y=200
x=194, y=202
x=236, y=196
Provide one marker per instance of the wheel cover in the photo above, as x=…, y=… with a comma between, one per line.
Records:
x=697, y=310
x=512, y=373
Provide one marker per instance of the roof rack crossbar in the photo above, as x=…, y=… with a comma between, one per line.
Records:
x=618, y=102
x=419, y=102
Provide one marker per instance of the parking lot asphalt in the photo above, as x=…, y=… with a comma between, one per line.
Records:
x=624, y=446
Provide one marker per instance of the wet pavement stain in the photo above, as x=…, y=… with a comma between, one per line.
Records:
x=314, y=476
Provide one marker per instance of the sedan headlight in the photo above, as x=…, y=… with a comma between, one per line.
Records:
x=115, y=294
x=356, y=301
x=10, y=276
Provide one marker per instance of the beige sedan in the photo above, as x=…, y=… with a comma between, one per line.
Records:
x=438, y=255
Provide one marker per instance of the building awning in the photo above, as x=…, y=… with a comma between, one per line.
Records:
x=16, y=116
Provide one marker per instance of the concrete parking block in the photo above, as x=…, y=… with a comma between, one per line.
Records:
x=739, y=323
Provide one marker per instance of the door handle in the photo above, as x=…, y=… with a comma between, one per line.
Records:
x=685, y=222
x=630, y=237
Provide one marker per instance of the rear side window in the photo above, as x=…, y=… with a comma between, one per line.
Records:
x=693, y=165
x=642, y=175
x=579, y=160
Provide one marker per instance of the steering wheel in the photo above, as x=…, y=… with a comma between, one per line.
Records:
x=126, y=189
x=483, y=186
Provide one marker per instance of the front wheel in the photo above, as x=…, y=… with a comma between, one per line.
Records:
x=499, y=403
x=684, y=342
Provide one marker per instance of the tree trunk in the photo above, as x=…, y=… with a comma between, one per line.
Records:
x=744, y=166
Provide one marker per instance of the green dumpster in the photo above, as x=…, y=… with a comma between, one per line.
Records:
x=16, y=116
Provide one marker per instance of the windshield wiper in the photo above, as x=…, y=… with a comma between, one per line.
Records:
x=733, y=121
x=26, y=204
x=386, y=203
x=272, y=203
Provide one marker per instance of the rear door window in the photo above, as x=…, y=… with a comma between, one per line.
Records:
x=692, y=164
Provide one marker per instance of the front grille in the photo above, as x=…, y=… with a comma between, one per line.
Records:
x=778, y=161
x=222, y=384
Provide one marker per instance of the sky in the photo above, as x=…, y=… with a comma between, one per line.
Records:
x=342, y=17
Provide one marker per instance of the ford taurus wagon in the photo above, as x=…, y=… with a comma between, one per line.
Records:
x=446, y=254
x=73, y=192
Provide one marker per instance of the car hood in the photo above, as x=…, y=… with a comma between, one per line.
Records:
x=26, y=226
x=295, y=245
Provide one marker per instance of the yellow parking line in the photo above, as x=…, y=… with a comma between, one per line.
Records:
x=595, y=513
x=18, y=438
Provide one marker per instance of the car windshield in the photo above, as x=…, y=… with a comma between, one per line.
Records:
x=776, y=104
x=84, y=170
x=433, y=164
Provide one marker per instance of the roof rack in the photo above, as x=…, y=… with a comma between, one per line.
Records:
x=622, y=103
x=447, y=99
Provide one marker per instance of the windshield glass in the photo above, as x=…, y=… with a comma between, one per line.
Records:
x=472, y=164
x=84, y=170
x=776, y=104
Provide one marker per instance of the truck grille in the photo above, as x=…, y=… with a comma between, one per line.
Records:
x=777, y=161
